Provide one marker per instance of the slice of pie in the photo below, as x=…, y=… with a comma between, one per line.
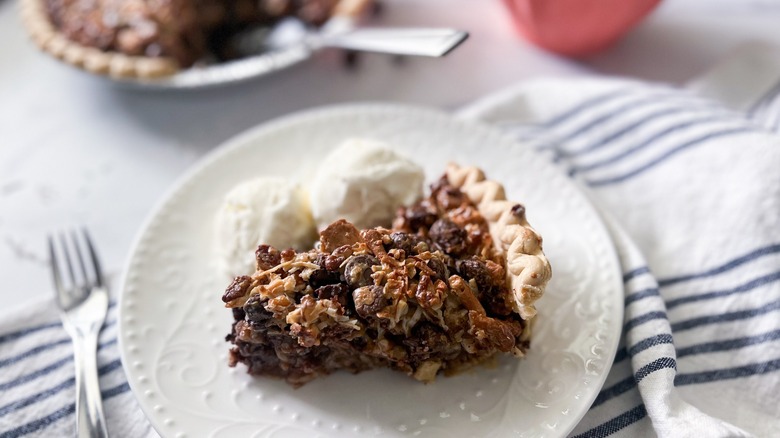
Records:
x=451, y=285
x=144, y=38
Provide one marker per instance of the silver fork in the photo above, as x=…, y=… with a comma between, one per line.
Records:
x=83, y=303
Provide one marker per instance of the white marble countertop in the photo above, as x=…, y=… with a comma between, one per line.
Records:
x=76, y=150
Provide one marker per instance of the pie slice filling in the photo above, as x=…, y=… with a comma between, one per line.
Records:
x=430, y=295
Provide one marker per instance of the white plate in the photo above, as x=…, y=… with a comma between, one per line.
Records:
x=172, y=324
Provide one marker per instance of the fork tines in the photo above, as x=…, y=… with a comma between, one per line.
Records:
x=89, y=273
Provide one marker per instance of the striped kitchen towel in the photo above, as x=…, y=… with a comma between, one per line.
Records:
x=691, y=193
x=37, y=380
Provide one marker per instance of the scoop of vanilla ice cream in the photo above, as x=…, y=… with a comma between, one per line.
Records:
x=266, y=210
x=364, y=182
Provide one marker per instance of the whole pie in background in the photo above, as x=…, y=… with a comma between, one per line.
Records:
x=153, y=38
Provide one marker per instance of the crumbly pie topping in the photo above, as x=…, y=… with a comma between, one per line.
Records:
x=431, y=295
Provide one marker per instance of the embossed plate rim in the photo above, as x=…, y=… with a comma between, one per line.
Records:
x=427, y=119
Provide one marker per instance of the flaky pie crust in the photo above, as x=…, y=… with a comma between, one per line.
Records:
x=528, y=269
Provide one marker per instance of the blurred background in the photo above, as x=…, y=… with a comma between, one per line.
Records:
x=78, y=149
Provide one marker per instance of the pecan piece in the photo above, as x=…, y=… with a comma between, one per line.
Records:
x=338, y=234
x=374, y=241
x=494, y=331
x=430, y=295
x=464, y=293
x=237, y=289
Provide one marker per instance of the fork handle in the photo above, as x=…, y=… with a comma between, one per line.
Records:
x=433, y=42
x=90, y=421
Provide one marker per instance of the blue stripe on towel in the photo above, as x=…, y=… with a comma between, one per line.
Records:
x=747, y=287
x=616, y=424
x=730, y=344
x=727, y=373
x=35, y=398
x=28, y=331
x=644, y=293
x=613, y=112
x=605, y=141
x=48, y=369
x=661, y=363
x=621, y=354
x=641, y=319
x=753, y=255
x=706, y=347
x=645, y=143
x=34, y=329
x=630, y=382
x=630, y=275
x=632, y=416
x=33, y=351
x=614, y=390
x=652, y=163
x=725, y=267
x=41, y=423
x=725, y=317
x=650, y=342
x=588, y=104
x=44, y=347
x=556, y=133
x=35, y=374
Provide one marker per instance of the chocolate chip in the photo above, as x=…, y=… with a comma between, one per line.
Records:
x=419, y=217
x=450, y=237
x=358, y=270
x=255, y=310
x=402, y=241
x=321, y=277
x=369, y=300
x=333, y=291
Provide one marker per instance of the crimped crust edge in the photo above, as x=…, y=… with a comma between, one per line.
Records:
x=528, y=269
x=49, y=39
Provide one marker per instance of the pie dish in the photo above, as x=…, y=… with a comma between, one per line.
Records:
x=146, y=40
x=450, y=286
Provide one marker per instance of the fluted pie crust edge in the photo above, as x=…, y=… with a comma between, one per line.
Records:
x=527, y=268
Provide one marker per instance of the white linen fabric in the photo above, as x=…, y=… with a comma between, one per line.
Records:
x=691, y=193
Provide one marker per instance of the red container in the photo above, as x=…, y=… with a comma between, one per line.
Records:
x=577, y=27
